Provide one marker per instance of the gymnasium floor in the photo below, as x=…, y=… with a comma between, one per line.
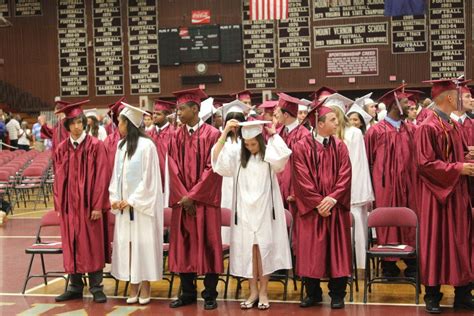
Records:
x=19, y=232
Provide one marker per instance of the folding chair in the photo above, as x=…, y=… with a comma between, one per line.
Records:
x=392, y=217
x=281, y=276
x=40, y=247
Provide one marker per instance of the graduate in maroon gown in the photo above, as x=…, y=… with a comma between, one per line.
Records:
x=291, y=132
x=445, y=211
x=161, y=134
x=81, y=200
x=58, y=133
x=390, y=149
x=466, y=125
x=111, y=142
x=322, y=185
x=424, y=111
x=195, y=239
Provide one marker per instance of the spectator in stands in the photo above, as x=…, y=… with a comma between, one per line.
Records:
x=36, y=131
x=13, y=128
x=3, y=128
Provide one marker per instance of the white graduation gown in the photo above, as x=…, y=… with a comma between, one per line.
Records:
x=227, y=192
x=141, y=188
x=362, y=194
x=253, y=201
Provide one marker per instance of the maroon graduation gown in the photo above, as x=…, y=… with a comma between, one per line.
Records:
x=284, y=177
x=392, y=163
x=424, y=113
x=195, y=241
x=80, y=188
x=445, y=211
x=162, y=141
x=323, y=247
x=57, y=134
x=467, y=130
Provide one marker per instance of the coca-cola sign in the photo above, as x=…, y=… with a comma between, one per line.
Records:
x=201, y=17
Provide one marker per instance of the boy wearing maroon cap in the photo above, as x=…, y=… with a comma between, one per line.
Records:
x=161, y=134
x=81, y=199
x=195, y=240
x=291, y=132
x=322, y=185
x=444, y=205
x=390, y=149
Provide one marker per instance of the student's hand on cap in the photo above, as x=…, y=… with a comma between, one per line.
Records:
x=95, y=215
x=231, y=125
x=271, y=130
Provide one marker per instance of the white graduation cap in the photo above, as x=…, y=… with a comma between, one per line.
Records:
x=356, y=108
x=235, y=106
x=304, y=105
x=338, y=100
x=365, y=100
x=207, y=109
x=91, y=112
x=251, y=129
x=134, y=114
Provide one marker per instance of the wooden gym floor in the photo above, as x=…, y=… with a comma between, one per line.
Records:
x=19, y=232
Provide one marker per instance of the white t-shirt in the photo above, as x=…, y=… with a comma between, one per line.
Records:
x=23, y=140
x=13, y=127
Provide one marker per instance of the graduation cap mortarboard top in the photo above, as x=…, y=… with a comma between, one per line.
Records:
x=356, y=108
x=190, y=95
x=243, y=95
x=364, y=100
x=288, y=103
x=322, y=93
x=442, y=85
x=72, y=110
x=414, y=95
x=251, y=129
x=117, y=106
x=59, y=104
x=235, y=106
x=91, y=112
x=268, y=105
x=161, y=105
x=395, y=95
x=207, y=109
x=134, y=114
x=339, y=101
x=317, y=110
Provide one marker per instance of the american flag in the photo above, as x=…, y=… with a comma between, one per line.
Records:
x=268, y=10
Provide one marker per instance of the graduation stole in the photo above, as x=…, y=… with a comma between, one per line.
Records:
x=448, y=147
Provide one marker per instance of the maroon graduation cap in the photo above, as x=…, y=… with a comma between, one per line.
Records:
x=288, y=103
x=72, y=110
x=190, y=95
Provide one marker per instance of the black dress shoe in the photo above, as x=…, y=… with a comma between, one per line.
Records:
x=180, y=302
x=310, y=301
x=99, y=297
x=464, y=303
x=337, y=302
x=210, y=304
x=68, y=295
x=432, y=306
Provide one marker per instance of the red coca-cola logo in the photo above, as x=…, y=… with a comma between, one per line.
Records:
x=201, y=17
